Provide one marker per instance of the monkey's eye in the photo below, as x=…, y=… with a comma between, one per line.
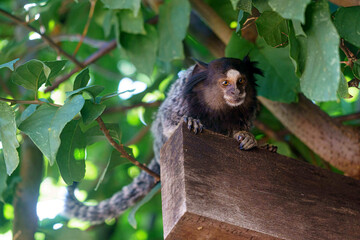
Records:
x=241, y=80
x=225, y=83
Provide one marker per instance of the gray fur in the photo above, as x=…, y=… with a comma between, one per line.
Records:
x=168, y=117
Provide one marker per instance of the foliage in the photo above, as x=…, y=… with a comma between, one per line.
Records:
x=297, y=49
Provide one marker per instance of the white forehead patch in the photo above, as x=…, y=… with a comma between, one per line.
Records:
x=233, y=74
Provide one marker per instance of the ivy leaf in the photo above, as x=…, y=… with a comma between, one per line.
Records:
x=71, y=154
x=141, y=49
x=31, y=75
x=3, y=176
x=81, y=79
x=92, y=90
x=171, y=32
x=108, y=22
x=148, y=197
x=278, y=71
x=91, y=111
x=273, y=28
x=133, y=5
x=347, y=22
x=238, y=47
x=10, y=64
x=130, y=23
x=27, y=112
x=8, y=137
x=320, y=80
x=294, y=9
x=44, y=126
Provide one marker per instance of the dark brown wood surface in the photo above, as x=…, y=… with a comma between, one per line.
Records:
x=213, y=190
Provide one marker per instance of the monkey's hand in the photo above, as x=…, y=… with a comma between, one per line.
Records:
x=246, y=139
x=193, y=124
x=269, y=147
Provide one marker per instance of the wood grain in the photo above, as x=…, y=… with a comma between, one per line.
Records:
x=213, y=190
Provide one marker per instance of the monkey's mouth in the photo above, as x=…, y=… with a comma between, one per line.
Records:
x=235, y=101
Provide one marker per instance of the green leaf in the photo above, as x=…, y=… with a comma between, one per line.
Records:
x=91, y=111
x=321, y=76
x=273, y=28
x=347, y=22
x=261, y=5
x=141, y=49
x=294, y=9
x=108, y=22
x=92, y=90
x=298, y=28
x=31, y=75
x=81, y=79
x=173, y=21
x=55, y=67
x=298, y=46
x=148, y=197
x=130, y=23
x=245, y=5
x=71, y=166
x=279, y=82
x=133, y=5
x=343, y=87
x=3, y=176
x=8, y=137
x=238, y=47
x=10, y=64
x=27, y=112
x=44, y=126
x=115, y=160
x=356, y=69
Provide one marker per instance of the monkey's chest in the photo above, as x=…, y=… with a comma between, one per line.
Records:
x=225, y=125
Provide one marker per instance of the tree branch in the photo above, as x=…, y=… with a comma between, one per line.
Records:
x=43, y=36
x=126, y=108
x=348, y=117
x=121, y=150
x=109, y=46
x=14, y=101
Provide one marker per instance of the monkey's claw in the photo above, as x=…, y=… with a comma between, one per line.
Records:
x=193, y=124
x=269, y=147
x=246, y=139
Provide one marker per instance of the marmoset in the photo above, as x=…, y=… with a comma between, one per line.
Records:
x=219, y=96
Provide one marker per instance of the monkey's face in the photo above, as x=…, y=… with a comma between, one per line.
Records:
x=233, y=85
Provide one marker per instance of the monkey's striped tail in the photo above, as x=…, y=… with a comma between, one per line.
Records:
x=114, y=206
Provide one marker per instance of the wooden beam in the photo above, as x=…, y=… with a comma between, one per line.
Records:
x=213, y=190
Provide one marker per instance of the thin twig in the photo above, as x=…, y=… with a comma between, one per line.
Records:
x=14, y=101
x=121, y=149
x=43, y=36
x=349, y=117
x=86, y=28
x=95, y=56
x=350, y=56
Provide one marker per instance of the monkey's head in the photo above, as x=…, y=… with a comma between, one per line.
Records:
x=224, y=82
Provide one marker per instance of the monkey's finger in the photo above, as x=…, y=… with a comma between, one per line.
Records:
x=200, y=126
x=185, y=119
x=196, y=126
x=190, y=123
x=250, y=144
x=243, y=142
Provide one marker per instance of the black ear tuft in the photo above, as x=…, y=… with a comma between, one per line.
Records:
x=246, y=59
x=251, y=66
x=198, y=74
